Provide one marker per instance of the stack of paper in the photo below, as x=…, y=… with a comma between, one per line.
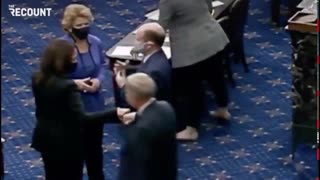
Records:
x=306, y=3
x=167, y=39
x=167, y=51
x=216, y=4
x=212, y=12
x=122, y=51
x=153, y=15
x=125, y=51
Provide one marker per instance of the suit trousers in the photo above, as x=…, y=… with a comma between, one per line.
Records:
x=189, y=101
x=1, y=162
x=62, y=166
x=93, y=151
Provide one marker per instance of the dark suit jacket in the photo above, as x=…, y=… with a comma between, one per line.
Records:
x=60, y=116
x=149, y=152
x=158, y=68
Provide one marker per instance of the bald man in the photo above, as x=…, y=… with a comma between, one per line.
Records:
x=149, y=152
x=149, y=40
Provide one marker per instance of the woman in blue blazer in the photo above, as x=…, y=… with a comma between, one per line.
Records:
x=88, y=76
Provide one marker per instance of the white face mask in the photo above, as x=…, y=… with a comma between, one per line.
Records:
x=139, y=48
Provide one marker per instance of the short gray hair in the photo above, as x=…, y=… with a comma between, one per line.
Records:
x=141, y=86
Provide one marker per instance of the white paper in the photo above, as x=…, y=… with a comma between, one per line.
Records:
x=167, y=51
x=216, y=4
x=122, y=51
x=153, y=15
x=212, y=13
x=306, y=3
x=167, y=39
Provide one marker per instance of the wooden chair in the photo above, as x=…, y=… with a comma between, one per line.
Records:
x=275, y=9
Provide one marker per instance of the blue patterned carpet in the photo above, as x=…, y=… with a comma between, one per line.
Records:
x=255, y=146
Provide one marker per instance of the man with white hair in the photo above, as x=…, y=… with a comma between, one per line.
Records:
x=149, y=152
x=149, y=40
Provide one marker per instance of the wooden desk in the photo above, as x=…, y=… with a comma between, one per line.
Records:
x=129, y=39
x=296, y=22
x=295, y=25
x=304, y=77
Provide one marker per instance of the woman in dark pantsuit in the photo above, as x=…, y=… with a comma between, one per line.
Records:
x=60, y=115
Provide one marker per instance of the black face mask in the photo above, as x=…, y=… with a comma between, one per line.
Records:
x=70, y=67
x=81, y=33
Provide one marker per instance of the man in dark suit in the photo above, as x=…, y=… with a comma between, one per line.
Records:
x=150, y=38
x=149, y=152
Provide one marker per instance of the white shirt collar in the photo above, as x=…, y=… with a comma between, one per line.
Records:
x=145, y=105
x=148, y=56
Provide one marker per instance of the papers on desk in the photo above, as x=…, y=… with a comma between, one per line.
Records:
x=216, y=4
x=309, y=18
x=212, y=12
x=167, y=51
x=125, y=51
x=122, y=51
x=306, y=3
x=309, y=6
x=153, y=15
x=310, y=10
x=167, y=39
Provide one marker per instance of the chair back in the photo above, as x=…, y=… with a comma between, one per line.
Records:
x=225, y=24
x=238, y=14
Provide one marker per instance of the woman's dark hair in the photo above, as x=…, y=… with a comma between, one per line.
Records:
x=54, y=60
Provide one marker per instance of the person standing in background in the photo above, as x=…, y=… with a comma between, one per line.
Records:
x=197, y=42
x=88, y=75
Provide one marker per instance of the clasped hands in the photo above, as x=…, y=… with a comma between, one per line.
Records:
x=87, y=84
x=125, y=116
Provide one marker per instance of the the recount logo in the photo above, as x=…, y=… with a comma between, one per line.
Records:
x=23, y=12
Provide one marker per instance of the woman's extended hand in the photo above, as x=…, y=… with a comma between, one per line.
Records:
x=121, y=112
x=83, y=85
